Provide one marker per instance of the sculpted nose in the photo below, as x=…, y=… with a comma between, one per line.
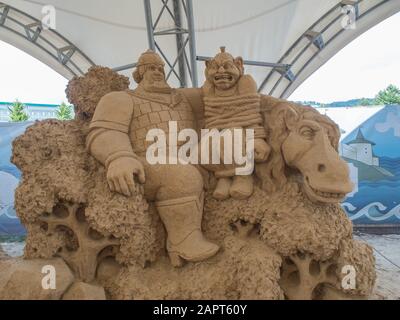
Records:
x=221, y=69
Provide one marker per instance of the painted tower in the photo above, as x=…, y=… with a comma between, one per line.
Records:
x=361, y=149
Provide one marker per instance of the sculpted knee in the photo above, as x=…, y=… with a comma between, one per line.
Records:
x=177, y=181
x=186, y=179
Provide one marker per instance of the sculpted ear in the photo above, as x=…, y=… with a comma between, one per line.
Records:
x=238, y=61
x=207, y=63
x=287, y=114
x=290, y=117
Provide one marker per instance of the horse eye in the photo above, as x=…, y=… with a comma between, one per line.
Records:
x=307, y=132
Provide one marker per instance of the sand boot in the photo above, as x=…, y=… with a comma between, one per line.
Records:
x=221, y=191
x=182, y=220
x=242, y=187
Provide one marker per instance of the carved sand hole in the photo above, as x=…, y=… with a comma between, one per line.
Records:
x=82, y=244
x=245, y=229
x=304, y=278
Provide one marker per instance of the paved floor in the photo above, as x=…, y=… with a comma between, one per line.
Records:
x=388, y=281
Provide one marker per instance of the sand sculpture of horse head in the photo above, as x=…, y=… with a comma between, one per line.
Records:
x=305, y=141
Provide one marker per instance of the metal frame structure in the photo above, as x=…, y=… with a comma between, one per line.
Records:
x=315, y=39
x=65, y=53
x=284, y=77
x=184, y=63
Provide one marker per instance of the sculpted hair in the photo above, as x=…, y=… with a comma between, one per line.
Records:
x=138, y=73
x=272, y=173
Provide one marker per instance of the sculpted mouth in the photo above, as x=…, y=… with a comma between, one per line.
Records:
x=323, y=196
x=223, y=77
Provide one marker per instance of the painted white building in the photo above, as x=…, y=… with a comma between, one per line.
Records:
x=35, y=111
x=360, y=149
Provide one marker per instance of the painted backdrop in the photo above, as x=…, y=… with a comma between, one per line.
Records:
x=373, y=153
x=9, y=178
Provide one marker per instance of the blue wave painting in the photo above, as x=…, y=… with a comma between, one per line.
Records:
x=373, y=153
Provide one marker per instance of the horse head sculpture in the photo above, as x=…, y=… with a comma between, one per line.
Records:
x=304, y=140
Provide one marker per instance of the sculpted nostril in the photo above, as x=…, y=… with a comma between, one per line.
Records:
x=321, y=168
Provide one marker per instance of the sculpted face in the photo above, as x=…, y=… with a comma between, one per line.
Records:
x=224, y=73
x=325, y=174
x=154, y=78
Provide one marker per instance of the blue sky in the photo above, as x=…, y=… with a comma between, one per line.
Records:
x=367, y=65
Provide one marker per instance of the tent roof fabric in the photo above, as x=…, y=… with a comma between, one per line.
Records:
x=113, y=33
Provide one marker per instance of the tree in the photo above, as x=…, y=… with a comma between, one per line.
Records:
x=366, y=102
x=64, y=112
x=17, y=112
x=391, y=95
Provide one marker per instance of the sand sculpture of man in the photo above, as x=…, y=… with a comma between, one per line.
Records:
x=117, y=139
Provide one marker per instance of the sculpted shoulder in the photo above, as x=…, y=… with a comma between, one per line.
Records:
x=247, y=84
x=194, y=97
x=114, y=99
x=114, y=107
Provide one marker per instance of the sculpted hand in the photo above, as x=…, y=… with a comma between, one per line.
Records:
x=120, y=175
x=261, y=150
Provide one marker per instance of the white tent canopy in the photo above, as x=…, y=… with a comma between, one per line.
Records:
x=113, y=33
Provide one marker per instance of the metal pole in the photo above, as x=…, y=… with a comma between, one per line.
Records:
x=179, y=43
x=149, y=25
x=254, y=63
x=192, y=42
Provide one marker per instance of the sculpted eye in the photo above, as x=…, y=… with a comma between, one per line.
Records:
x=307, y=132
x=213, y=65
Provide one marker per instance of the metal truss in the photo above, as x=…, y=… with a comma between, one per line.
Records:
x=51, y=42
x=305, y=49
x=184, y=63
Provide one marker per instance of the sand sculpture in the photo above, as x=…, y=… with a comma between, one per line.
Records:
x=116, y=227
x=231, y=101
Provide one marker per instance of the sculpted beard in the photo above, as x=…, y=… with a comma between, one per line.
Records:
x=155, y=84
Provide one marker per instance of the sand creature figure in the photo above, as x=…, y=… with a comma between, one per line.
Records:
x=117, y=139
x=231, y=102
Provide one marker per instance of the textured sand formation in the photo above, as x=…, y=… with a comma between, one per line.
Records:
x=287, y=240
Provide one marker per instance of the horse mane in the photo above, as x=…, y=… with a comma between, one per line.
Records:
x=277, y=116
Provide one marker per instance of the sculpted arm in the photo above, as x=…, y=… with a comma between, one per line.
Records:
x=247, y=85
x=108, y=141
x=195, y=98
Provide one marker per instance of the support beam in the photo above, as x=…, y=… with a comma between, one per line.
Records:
x=192, y=41
x=4, y=9
x=149, y=24
x=65, y=54
x=33, y=30
x=315, y=38
x=179, y=43
x=50, y=47
x=180, y=65
x=254, y=63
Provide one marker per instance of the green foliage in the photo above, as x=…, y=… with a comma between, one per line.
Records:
x=390, y=95
x=366, y=102
x=64, y=112
x=17, y=112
